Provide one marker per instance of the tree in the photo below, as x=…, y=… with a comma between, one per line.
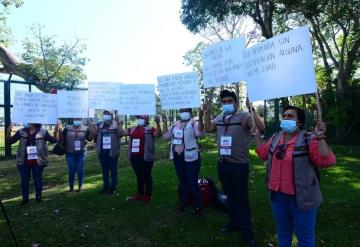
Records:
x=5, y=32
x=54, y=65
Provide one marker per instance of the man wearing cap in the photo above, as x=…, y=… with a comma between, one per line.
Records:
x=233, y=130
x=107, y=135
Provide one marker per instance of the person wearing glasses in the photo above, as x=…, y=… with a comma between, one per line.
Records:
x=292, y=157
x=233, y=129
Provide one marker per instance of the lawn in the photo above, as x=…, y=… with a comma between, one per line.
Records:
x=91, y=219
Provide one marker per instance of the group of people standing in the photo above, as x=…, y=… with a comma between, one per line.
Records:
x=292, y=157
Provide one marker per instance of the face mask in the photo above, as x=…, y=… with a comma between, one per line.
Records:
x=228, y=108
x=288, y=126
x=107, y=117
x=77, y=123
x=25, y=125
x=140, y=122
x=185, y=115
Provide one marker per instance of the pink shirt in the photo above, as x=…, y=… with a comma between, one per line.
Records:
x=282, y=174
x=180, y=125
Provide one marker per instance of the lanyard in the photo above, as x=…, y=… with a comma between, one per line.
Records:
x=227, y=122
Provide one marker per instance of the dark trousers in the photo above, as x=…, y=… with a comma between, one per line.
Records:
x=109, y=168
x=142, y=171
x=25, y=174
x=234, y=181
x=188, y=174
x=290, y=218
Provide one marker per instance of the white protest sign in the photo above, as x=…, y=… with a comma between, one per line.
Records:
x=34, y=108
x=223, y=62
x=72, y=104
x=136, y=99
x=103, y=95
x=179, y=91
x=281, y=66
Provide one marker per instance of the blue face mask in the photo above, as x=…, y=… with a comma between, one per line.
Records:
x=25, y=125
x=77, y=123
x=288, y=126
x=228, y=108
x=107, y=117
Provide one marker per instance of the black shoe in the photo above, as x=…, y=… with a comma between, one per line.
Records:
x=197, y=212
x=111, y=191
x=181, y=209
x=38, y=199
x=71, y=190
x=25, y=201
x=80, y=190
x=229, y=228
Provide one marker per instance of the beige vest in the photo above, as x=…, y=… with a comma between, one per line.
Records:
x=239, y=131
x=41, y=146
x=115, y=140
x=73, y=135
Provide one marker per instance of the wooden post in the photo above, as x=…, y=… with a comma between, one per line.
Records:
x=318, y=106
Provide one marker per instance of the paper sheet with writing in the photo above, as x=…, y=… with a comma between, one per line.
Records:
x=137, y=99
x=104, y=95
x=72, y=104
x=34, y=108
x=223, y=62
x=179, y=90
x=281, y=66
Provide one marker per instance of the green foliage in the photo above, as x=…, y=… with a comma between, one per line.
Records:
x=5, y=32
x=53, y=64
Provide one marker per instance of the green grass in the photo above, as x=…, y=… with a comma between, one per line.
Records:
x=91, y=219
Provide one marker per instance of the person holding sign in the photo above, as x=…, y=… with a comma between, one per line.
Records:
x=185, y=152
x=233, y=130
x=107, y=135
x=293, y=157
x=32, y=155
x=142, y=154
x=76, y=136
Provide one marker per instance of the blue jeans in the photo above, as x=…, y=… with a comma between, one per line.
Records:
x=289, y=218
x=25, y=174
x=75, y=163
x=109, y=168
x=234, y=181
x=188, y=174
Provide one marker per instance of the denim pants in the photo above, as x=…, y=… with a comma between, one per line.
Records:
x=289, y=218
x=75, y=163
x=188, y=174
x=25, y=174
x=142, y=171
x=234, y=181
x=109, y=169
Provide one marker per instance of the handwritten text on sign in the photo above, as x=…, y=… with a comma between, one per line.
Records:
x=179, y=91
x=72, y=104
x=136, y=99
x=34, y=108
x=281, y=66
x=103, y=95
x=223, y=62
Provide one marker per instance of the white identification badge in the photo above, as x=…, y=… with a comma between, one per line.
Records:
x=32, y=153
x=135, y=146
x=77, y=145
x=225, y=145
x=178, y=136
x=106, y=142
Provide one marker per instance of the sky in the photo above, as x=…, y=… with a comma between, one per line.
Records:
x=128, y=41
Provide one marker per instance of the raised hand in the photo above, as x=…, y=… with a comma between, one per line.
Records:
x=320, y=130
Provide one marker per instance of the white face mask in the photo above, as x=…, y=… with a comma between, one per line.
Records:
x=185, y=115
x=140, y=122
